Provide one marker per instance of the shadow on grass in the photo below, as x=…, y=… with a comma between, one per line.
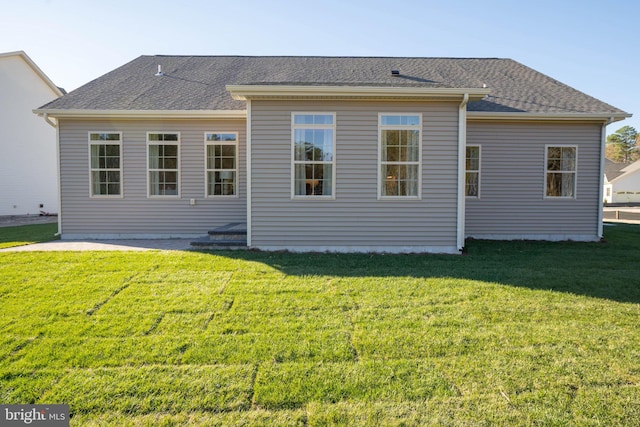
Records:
x=608, y=269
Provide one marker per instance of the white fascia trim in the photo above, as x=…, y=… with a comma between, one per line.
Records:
x=244, y=92
x=36, y=69
x=451, y=250
x=600, y=117
x=145, y=114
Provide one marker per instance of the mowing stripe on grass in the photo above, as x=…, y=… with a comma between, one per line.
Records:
x=252, y=392
x=191, y=324
x=350, y=333
x=149, y=389
x=106, y=300
x=291, y=385
x=26, y=386
x=83, y=352
x=352, y=347
x=155, y=324
x=246, y=347
x=254, y=418
x=23, y=344
x=208, y=321
x=127, y=282
x=229, y=304
x=99, y=305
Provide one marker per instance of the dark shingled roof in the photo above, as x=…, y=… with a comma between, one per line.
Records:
x=613, y=169
x=198, y=82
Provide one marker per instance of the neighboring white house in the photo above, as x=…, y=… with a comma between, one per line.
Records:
x=622, y=182
x=28, y=163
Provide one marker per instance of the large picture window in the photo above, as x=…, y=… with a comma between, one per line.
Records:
x=222, y=170
x=560, y=175
x=400, y=155
x=472, y=178
x=314, y=138
x=164, y=164
x=105, y=151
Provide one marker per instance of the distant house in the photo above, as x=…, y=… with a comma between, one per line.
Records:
x=622, y=182
x=28, y=159
x=331, y=153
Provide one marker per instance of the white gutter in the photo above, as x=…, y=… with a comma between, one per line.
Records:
x=481, y=115
x=462, y=147
x=145, y=114
x=603, y=142
x=244, y=92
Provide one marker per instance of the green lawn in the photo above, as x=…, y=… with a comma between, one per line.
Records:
x=511, y=333
x=27, y=234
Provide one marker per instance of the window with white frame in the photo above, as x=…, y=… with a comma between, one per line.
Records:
x=472, y=178
x=313, y=153
x=400, y=155
x=222, y=170
x=105, y=151
x=560, y=175
x=164, y=163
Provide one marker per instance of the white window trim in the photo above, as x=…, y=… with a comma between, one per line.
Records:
x=207, y=170
x=105, y=196
x=575, y=172
x=178, y=178
x=382, y=127
x=479, y=172
x=294, y=126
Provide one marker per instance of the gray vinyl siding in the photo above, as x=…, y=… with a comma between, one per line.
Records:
x=356, y=219
x=512, y=202
x=135, y=214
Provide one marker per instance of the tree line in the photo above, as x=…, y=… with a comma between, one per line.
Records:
x=623, y=146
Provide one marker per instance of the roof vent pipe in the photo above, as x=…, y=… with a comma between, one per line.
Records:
x=395, y=73
x=159, y=73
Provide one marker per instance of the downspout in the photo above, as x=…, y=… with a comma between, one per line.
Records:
x=53, y=124
x=603, y=142
x=249, y=192
x=50, y=122
x=462, y=145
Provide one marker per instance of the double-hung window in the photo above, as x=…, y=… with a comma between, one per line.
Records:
x=222, y=163
x=163, y=163
x=560, y=174
x=472, y=178
x=105, y=151
x=313, y=153
x=400, y=155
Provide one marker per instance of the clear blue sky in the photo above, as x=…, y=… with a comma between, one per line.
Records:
x=592, y=46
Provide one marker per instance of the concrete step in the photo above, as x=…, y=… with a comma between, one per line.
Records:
x=227, y=237
x=232, y=231
x=223, y=245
